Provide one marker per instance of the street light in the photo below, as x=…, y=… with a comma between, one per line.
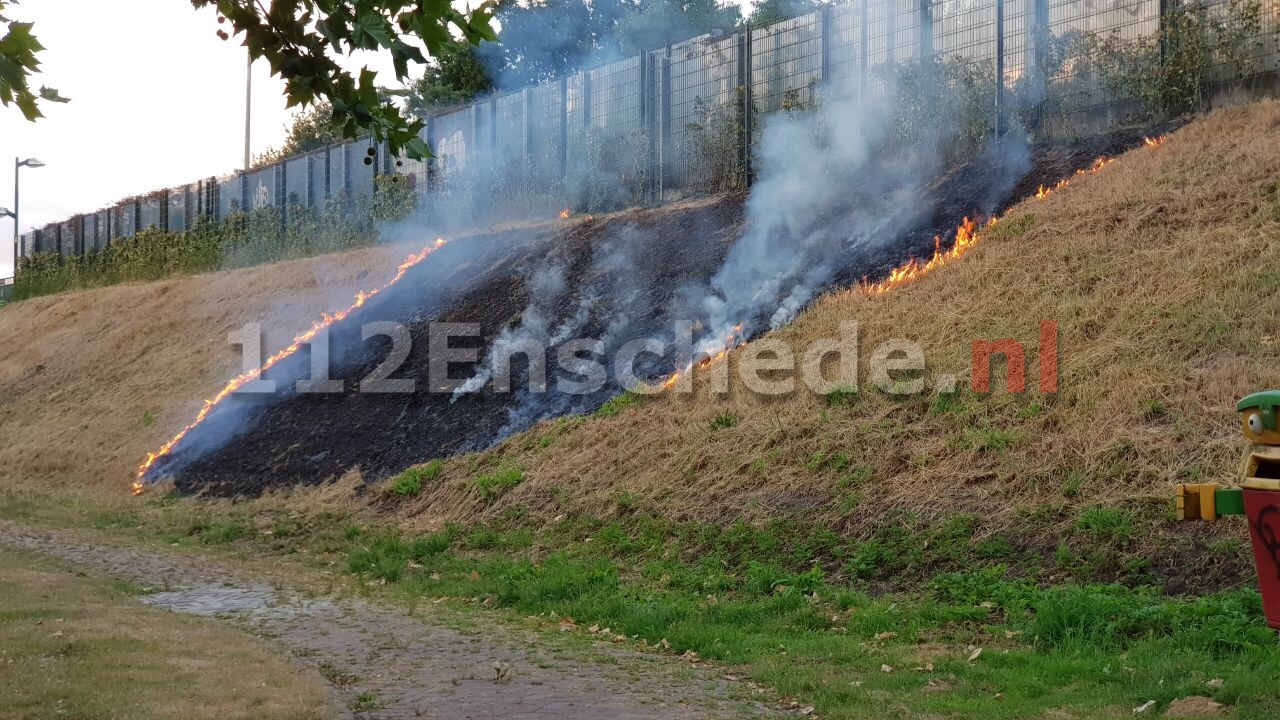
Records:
x=18, y=165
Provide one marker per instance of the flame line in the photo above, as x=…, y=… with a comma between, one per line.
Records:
x=326, y=320
x=967, y=236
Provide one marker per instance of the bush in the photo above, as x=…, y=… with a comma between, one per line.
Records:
x=1167, y=72
x=260, y=236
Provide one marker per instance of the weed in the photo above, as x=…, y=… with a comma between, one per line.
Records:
x=1071, y=487
x=815, y=461
x=842, y=395
x=985, y=440
x=494, y=485
x=218, y=533
x=616, y=405
x=856, y=476
x=1110, y=524
x=366, y=701
x=1012, y=227
x=410, y=481
x=148, y=418
x=387, y=555
x=723, y=421
x=1153, y=410
x=624, y=500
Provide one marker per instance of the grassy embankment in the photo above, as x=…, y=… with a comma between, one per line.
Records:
x=815, y=540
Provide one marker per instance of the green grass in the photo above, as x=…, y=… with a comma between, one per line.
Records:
x=1108, y=524
x=616, y=405
x=496, y=484
x=804, y=608
x=723, y=421
x=754, y=599
x=410, y=481
x=842, y=395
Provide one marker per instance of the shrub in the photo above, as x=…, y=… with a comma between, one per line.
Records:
x=259, y=236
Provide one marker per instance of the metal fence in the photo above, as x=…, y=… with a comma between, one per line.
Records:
x=685, y=116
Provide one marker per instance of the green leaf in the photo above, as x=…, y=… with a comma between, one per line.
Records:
x=48, y=93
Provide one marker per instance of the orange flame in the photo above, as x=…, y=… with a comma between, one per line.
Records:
x=967, y=236
x=565, y=214
x=326, y=319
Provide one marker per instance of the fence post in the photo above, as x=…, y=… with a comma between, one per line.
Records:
x=281, y=181
x=744, y=82
x=664, y=121
x=890, y=31
x=564, y=132
x=1040, y=37
x=586, y=98
x=646, y=121
x=864, y=54
x=926, y=29
x=493, y=128
x=999, y=128
x=526, y=144
x=824, y=17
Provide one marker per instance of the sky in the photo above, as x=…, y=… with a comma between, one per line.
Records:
x=157, y=100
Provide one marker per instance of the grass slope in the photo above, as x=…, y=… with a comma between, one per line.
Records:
x=1160, y=271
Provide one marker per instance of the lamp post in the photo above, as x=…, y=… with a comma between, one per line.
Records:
x=18, y=165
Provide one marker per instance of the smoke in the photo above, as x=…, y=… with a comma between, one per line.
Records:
x=835, y=184
x=834, y=187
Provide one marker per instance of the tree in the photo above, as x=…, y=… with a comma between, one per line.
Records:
x=18, y=62
x=456, y=76
x=545, y=39
x=654, y=23
x=312, y=129
x=770, y=11
x=299, y=38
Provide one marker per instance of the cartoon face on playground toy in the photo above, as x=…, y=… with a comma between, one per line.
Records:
x=1258, y=417
x=1257, y=497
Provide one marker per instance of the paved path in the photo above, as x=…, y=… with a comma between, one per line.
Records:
x=382, y=663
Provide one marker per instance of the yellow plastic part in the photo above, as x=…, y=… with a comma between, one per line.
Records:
x=1196, y=501
x=1261, y=469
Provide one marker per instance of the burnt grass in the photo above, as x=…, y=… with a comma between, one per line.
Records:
x=252, y=443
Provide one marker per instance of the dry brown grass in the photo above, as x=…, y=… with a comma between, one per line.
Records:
x=1161, y=272
x=75, y=647
x=91, y=381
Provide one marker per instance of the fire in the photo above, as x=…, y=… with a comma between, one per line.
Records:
x=731, y=341
x=326, y=319
x=565, y=214
x=967, y=236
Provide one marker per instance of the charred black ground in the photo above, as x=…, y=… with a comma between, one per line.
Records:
x=253, y=443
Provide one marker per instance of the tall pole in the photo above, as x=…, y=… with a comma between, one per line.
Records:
x=248, y=109
x=16, y=166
